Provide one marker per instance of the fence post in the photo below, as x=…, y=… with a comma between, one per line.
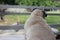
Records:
x=2, y=14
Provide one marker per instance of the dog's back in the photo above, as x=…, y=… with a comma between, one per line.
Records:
x=37, y=29
x=37, y=32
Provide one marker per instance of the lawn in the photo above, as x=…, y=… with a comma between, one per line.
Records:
x=53, y=19
x=10, y=19
x=22, y=18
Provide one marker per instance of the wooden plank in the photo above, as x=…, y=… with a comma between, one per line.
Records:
x=15, y=27
x=21, y=26
x=31, y=7
x=13, y=13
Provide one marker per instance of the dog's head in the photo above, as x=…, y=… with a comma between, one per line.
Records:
x=38, y=12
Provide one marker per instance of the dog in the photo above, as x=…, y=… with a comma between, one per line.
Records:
x=36, y=27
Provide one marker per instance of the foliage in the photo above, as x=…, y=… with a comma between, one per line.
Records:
x=11, y=2
x=31, y=2
x=37, y=2
x=1, y=2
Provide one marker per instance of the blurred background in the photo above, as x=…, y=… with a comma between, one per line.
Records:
x=14, y=13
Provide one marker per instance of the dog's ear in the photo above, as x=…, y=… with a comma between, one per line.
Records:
x=44, y=14
x=34, y=9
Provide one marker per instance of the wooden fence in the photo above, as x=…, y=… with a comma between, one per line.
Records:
x=17, y=27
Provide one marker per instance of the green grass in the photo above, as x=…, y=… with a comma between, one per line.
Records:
x=53, y=19
x=23, y=18
x=58, y=12
x=15, y=18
